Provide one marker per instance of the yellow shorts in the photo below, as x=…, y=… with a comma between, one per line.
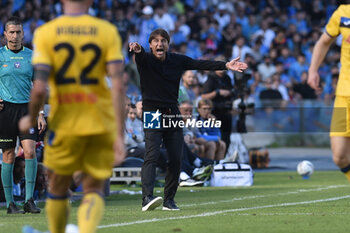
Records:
x=340, y=118
x=92, y=154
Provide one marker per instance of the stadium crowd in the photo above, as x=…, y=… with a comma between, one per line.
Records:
x=275, y=37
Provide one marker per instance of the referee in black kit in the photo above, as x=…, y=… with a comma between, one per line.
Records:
x=160, y=73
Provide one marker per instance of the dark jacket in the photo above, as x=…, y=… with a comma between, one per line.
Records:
x=160, y=80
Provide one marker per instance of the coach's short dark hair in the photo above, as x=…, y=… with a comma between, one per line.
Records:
x=160, y=32
x=13, y=20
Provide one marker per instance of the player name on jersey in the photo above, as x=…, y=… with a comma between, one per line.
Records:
x=77, y=30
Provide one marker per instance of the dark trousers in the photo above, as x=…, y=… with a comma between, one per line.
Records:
x=173, y=141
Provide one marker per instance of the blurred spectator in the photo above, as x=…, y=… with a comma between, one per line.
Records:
x=250, y=28
x=202, y=76
x=183, y=27
x=277, y=85
x=266, y=68
x=297, y=68
x=200, y=146
x=258, y=50
x=266, y=33
x=210, y=133
x=273, y=54
x=330, y=8
x=178, y=36
x=218, y=88
x=240, y=48
x=185, y=91
x=282, y=20
x=122, y=23
x=280, y=40
x=294, y=43
x=286, y=58
x=270, y=93
x=256, y=85
x=163, y=19
x=294, y=6
x=147, y=25
x=241, y=16
x=301, y=23
x=303, y=88
x=134, y=33
x=227, y=39
x=176, y=7
x=41, y=183
x=317, y=13
x=282, y=72
x=222, y=16
x=134, y=135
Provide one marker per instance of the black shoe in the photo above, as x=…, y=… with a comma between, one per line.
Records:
x=13, y=209
x=150, y=203
x=30, y=207
x=170, y=205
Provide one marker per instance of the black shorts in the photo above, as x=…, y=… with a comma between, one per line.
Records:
x=9, y=118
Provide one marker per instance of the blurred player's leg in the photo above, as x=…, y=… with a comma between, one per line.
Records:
x=92, y=206
x=57, y=202
x=341, y=153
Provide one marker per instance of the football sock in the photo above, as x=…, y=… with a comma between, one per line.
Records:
x=57, y=212
x=346, y=171
x=7, y=181
x=31, y=167
x=90, y=212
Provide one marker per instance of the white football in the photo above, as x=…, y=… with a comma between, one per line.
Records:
x=305, y=168
x=71, y=228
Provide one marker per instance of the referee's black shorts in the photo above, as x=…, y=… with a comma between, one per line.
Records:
x=9, y=118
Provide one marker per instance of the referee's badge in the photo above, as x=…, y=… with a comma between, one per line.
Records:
x=31, y=131
x=17, y=65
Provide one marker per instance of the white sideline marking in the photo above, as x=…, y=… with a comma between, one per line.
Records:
x=269, y=195
x=291, y=214
x=276, y=214
x=223, y=211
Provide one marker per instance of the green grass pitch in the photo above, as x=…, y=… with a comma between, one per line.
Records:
x=277, y=202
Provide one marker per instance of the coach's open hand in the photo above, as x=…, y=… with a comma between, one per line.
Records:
x=1, y=104
x=236, y=65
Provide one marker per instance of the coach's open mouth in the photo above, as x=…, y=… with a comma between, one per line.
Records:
x=160, y=51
